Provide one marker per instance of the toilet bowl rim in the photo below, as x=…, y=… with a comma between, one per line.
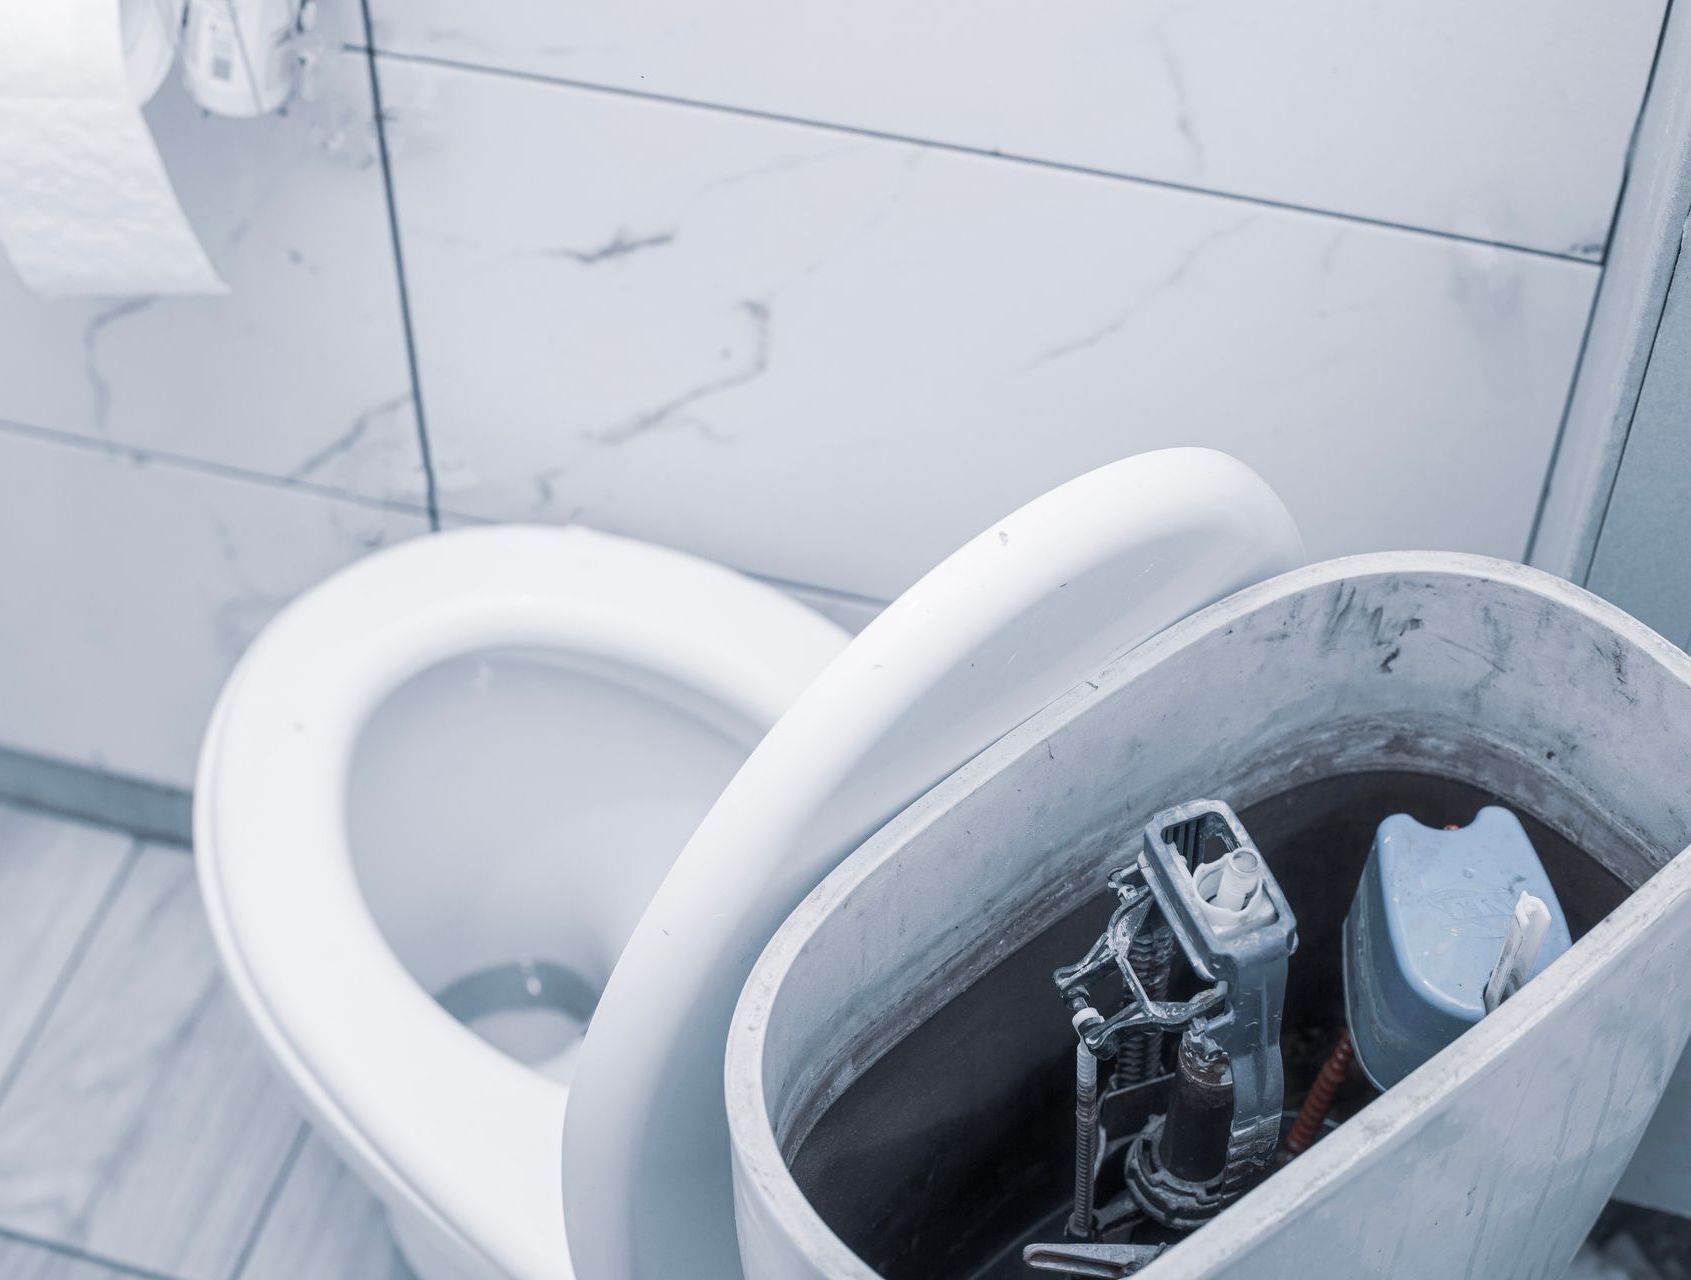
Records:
x=320, y=670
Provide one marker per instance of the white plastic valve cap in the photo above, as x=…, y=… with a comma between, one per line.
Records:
x=1241, y=872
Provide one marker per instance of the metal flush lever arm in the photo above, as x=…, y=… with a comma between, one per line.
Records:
x=1105, y=1261
x=1104, y=1035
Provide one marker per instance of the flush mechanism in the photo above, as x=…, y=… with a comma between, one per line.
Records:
x=1199, y=940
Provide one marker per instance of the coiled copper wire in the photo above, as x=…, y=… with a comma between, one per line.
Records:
x=1319, y=1102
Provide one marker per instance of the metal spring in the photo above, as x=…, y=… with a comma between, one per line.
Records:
x=1152, y=957
x=1319, y=1101
x=1085, y=1140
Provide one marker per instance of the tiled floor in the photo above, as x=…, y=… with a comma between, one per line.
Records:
x=141, y=1132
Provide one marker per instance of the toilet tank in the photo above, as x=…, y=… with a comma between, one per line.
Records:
x=897, y=1069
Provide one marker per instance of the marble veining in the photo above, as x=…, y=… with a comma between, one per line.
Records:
x=300, y=371
x=759, y=341
x=620, y=245
x=136, y=616
x=1181, y=112
x=354, y=435
x=140, y=1133
x=752, y=365
x=115, y=1133
x=1175, y=275
x=100, y=390
x=1506, y=122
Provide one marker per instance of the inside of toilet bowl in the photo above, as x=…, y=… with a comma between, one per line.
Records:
x=532, y=1010
x=510, y=813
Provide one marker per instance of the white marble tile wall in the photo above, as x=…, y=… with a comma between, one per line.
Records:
x=170, y=469
x=1351, y=243
x=130, y=587
x=829, y=359
x=1502, y=121
x=300, y=371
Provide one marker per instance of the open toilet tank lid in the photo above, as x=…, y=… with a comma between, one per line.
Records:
x=1375, y=662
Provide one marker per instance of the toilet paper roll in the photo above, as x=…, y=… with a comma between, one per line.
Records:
x=86, y=208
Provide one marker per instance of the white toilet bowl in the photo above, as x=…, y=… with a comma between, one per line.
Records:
x=434, y=800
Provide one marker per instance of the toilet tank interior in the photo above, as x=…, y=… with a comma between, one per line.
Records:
x=511, y=812
x=911, y=1040
x=952, y=1150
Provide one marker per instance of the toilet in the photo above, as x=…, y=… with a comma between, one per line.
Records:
x=479, y=791
x=434, y=799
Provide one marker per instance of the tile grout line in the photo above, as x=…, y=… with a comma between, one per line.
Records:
x=959, y=148
x=221, y=470
x=66, y=814
x=425, y=450
x=278, y=1184
x=67, y=972
x=79, y=818
x=1591, y=320
x=64, y=1250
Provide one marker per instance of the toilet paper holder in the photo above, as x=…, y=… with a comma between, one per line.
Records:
x=240, y=58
